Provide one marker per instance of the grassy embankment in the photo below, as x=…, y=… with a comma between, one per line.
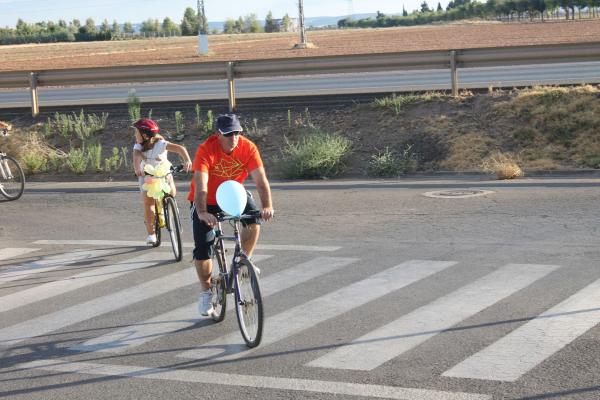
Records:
x=502, y=132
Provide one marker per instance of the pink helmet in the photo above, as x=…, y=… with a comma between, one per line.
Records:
x=147, y=126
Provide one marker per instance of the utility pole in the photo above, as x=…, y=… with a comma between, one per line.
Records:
x=202, y=29
x=303, y=43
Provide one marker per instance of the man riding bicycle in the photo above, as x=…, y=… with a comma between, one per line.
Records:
x=225, y=155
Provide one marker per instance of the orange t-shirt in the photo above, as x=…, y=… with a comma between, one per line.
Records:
x=221, y=166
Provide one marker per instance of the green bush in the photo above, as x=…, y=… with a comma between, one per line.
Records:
x=134, y=106
x=77, y=160
x=387, y=163
x=316, y=155
x=94, y=155
x=34, y=162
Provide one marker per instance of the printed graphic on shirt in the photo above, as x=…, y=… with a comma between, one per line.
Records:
x=228, y=168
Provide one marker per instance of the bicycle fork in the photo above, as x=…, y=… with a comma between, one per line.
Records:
x=4, y=169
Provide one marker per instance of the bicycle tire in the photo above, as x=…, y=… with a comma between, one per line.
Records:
x=156, y=225
x=218, y=284
x=173, y=226
x=249, y=306
x=12, y=178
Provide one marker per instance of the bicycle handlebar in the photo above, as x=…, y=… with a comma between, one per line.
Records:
x=252, y=214
x=174, y=170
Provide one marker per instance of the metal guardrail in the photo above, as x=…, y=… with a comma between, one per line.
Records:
x=440, y=59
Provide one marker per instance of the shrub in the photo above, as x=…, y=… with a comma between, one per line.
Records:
x=34, y=162
x=134, y=106
x=503, y=165
x=316, y=155
x=77, y=160
x=94, y=155
x=387, y=163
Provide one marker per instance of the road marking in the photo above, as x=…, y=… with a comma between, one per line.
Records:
x=323, y=308
x=521, y=350
x=125, y=243
x=11, y=252
x=186, y=316
x=71, y=283
x=49, y=263
x=101, y=305
x=383, y=344
x=250, y=381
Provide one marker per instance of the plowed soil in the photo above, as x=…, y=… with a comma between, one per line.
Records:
x=35, y=57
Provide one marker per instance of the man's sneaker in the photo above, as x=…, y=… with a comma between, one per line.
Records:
x=150, y=240
x=205, y=306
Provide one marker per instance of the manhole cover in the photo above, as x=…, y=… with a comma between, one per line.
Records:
x=457, y=193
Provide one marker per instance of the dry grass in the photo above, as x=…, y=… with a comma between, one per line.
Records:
x=467, y=151
x=504, y=165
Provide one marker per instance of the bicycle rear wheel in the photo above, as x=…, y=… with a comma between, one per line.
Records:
x=173, y=226
x=157, y=208
x=12, y=178
x=218, y=285
x=249, y=306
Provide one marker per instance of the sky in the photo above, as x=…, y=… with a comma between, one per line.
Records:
x=216, y=10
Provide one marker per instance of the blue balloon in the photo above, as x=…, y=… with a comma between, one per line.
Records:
x=231, y=197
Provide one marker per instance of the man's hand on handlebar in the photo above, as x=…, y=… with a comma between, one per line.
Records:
x=208, y=219
x=267, y=213
x=187, y=166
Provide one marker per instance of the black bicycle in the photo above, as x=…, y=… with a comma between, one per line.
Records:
x=12, y=178
x=240, y=279
x=166, y=215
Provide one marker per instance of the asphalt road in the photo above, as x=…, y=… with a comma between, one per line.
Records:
x=384, y=82
x=372, y=290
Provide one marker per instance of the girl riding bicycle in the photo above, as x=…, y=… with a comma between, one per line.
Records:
x=152, y=149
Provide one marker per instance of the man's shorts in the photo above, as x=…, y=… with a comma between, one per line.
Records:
x=204, y=236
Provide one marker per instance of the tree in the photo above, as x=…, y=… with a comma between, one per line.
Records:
x=404, y=12
x=116, y=29
x=251, y=24
x=425, y=7
x=439, y=7
x=186, y=28
x=270, y=25
x=169, y=26
x=286, y=23
x=189, y=24
x=105, y=27
x=90, y=25
x=128, y=27
x=229, y=26
x=150, y=26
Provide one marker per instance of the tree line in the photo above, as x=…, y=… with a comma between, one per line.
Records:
x=505, y=10
x=76, y=31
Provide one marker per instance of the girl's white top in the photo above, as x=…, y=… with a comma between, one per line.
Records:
x=155, y=155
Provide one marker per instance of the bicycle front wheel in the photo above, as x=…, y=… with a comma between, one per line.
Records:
x=249, y=306
x=12, y=178
x=173, y=226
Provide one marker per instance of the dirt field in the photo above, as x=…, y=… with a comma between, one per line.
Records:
x=260, y=46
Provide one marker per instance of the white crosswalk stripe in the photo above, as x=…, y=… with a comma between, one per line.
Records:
x=526, y=347
x=50, y=263
x=8, y=253
x=184, y=317
x=90, y=309
x=383, y=344
x=331, y=305
x=71, y=283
